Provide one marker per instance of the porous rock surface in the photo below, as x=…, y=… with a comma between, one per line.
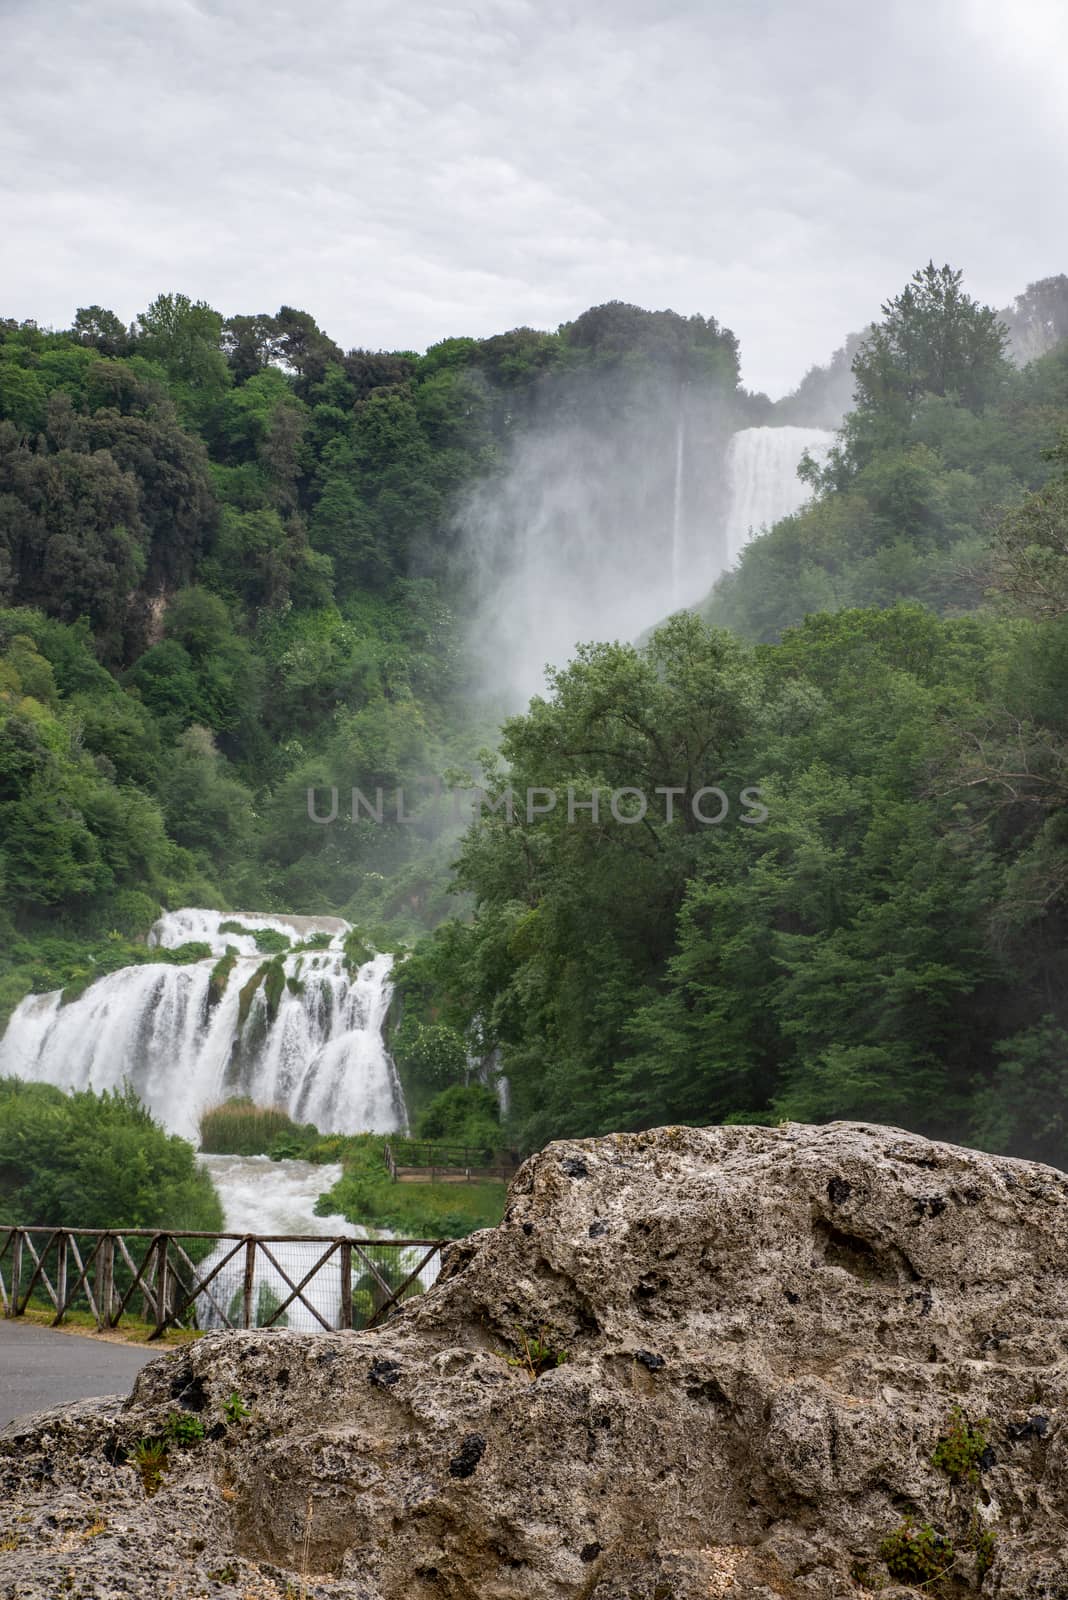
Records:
x=766, y=1332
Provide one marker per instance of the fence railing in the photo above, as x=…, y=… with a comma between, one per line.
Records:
x=411, y=1162
x=212, y=1280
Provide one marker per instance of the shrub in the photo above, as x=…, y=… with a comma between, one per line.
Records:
x=248, y=990
x=234, y=1408
x=537, y=1353
x=466, y=1114
x=265, y=1307
x=272, y=975
x=116, y=952
x=183, y=1429
x=220, y=976
x=431, y=1053
x=274, y=983
x=960, y=1451
x=239, y=1127
x=89, y=1160
x=917, y=1554
x=357, y=951
x=371, y=1290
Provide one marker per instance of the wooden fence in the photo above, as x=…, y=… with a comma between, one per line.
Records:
x=212, y=1280
x=412, y=1162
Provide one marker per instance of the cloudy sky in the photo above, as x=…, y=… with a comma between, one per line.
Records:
x=408, y=170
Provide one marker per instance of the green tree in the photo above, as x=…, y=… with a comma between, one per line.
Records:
x=432, y=1052
x=102, y=330
x=88, y=1160
x=185, y=338
x=933, y=339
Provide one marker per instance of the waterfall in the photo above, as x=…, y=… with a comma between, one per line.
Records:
x=321, y=1056
x=764, y=487
x=676, y=514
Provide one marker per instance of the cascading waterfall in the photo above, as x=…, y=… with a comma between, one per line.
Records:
x=318, y=1052
x=764, y=487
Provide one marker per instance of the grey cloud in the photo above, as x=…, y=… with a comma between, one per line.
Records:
x=409, y=172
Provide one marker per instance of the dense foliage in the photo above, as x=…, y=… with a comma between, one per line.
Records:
x=230, y=570
x=944, y=440
x=241, y=1128
x=90, y=1160
x=890, y=942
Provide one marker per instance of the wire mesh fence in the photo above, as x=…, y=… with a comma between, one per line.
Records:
x=212, y=1280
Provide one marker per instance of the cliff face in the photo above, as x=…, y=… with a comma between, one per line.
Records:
x=741, y=1362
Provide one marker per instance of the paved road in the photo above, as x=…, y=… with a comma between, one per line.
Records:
x=40, y=1367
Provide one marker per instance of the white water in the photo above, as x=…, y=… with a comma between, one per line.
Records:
x=272, y=1198
x=764, y=487
x=323, y=1058
x=269, y=1198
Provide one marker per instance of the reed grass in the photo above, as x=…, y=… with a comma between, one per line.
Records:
x=242, y=1128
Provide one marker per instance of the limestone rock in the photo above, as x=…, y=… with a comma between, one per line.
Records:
x=690, y=1363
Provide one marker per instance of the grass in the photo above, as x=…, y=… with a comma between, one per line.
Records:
x=150, y=1459
x=366, y=1195
x=239, y=1127
x=536, y=1354
x=131, y=1330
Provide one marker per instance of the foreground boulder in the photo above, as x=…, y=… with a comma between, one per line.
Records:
x=743, y=1362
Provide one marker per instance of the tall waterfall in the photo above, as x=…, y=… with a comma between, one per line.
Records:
x=321, y=1055
x=764, y=487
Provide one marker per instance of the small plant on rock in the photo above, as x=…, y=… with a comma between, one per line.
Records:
x=183, y=1429
x=150, y=1459
x=960, y=1451
x=985, y=1544
x=536, y=1354
x=917, y=1554
x=234, y=1409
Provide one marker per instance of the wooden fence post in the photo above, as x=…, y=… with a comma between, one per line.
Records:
x=16, y=1271
x=250, y=1280
x=345, y=1256
x=162, y=1284
x=104, y=1278
x=61, y=1279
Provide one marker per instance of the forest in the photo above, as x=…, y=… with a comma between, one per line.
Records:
x=231, y=570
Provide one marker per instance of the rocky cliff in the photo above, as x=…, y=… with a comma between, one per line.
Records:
x=743, y=1362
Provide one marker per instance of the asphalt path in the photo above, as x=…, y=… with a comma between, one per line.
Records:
x=40, y=1367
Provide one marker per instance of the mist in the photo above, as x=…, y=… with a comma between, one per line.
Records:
x=600, y=525
x=596, y=527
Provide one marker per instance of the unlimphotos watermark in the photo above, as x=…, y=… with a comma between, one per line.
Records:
x=708, y=806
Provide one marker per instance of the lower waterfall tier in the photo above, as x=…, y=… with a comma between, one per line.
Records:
x=298, y=1030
